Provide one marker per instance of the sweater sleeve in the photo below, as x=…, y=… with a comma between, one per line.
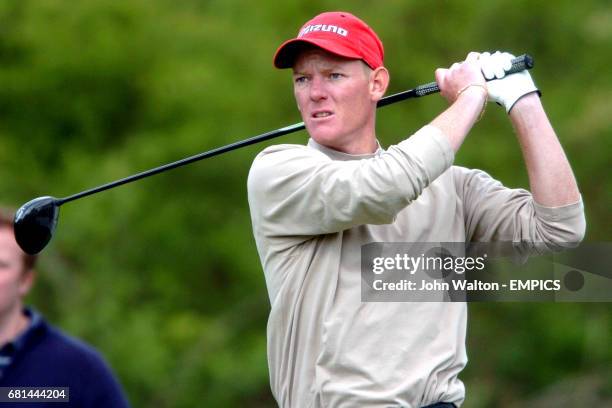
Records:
x=497, y=213
x=296, y=190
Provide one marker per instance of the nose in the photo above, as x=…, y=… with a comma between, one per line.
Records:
x=317, y=89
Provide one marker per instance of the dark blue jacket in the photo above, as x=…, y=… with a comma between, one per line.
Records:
x=45, y=357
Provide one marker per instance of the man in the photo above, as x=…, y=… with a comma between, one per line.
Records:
x=34, y=353
x=314, y=206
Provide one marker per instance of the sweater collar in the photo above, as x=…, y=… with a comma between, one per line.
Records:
x=337, y=155
x=17, y=344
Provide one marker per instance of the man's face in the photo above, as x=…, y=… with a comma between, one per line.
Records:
x=334, y=97
x=14, y=281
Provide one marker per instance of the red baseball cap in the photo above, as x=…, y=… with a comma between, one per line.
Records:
x=338, y=32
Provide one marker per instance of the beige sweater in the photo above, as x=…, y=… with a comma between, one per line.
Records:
x=312, y=208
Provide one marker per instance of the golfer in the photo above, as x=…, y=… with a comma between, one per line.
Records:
x=314, y=206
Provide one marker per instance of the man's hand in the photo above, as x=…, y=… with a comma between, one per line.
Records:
x=460, y=76
x=505, y=90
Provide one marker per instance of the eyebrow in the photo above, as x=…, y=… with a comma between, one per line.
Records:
x=330, y=67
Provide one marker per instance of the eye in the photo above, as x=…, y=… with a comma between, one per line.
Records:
x=301, y=79
x=335, y=75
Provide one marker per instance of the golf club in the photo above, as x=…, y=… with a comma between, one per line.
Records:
x=36, y=220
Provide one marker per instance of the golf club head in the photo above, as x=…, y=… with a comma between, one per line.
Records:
x=35, y=223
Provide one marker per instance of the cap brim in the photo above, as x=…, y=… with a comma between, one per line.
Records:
x=285, y=54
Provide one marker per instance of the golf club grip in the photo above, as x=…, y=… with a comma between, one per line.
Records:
x=519, y=64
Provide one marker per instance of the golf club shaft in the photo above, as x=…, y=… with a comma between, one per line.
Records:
x=518, y=64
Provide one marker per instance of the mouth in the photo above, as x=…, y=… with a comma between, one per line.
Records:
x=321, y=114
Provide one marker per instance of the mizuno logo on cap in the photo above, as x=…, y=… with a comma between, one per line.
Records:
x=323, y=27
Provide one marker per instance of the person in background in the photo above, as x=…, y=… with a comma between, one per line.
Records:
x=33, y=353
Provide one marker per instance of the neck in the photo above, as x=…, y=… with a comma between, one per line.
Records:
x=363, y=146
x=363, y=142
x=12, y=325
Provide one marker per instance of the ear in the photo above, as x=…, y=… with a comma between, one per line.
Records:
x=379, y=81
x=27, y=280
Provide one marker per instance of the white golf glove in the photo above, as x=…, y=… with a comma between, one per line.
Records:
x=505, y=89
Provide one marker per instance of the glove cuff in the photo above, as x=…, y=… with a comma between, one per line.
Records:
x=509, y=106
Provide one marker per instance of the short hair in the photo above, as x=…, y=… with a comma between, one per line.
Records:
x=6, y=221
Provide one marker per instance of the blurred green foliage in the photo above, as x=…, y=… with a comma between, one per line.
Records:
x=163, y=275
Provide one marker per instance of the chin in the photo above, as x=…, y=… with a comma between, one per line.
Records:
x=326, y=137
